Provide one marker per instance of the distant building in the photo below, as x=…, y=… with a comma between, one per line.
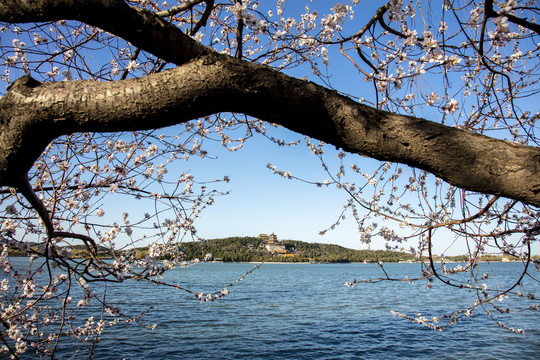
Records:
x=272, y=238
x=271, y=243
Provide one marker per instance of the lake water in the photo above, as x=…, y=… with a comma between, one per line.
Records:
x=299, y=311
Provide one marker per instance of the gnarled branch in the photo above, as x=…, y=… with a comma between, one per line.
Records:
x=32, y=114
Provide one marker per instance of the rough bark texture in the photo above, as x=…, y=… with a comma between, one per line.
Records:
x=33, y=113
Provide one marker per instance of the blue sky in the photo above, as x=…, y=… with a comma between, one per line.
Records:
x=262, y=202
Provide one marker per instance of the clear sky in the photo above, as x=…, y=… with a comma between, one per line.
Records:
x=262, y=202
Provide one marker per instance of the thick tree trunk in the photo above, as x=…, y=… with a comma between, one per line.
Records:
x=33, y=113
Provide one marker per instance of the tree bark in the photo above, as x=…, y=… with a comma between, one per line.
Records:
x=142, y=28
x=33, y=113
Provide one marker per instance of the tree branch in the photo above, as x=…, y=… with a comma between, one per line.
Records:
x=142, y=28
x=179, y=8
x=204, y=17
x=488, y=9
x=32, y=114
x=239, y=35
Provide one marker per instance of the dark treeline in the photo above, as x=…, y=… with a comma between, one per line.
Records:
x=253, y=249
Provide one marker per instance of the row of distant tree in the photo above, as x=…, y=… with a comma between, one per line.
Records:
x=251, y=249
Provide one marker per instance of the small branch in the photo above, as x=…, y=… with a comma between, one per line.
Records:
x=378, y=15
x=467, y=219
x=524, y=23
x=204, y=18
x=488, y=9
x=26, y=190
x=134, y=57
x=365, y=60
x=179, y=8
x=395, y=32
x=390, y=30
x=239, y=36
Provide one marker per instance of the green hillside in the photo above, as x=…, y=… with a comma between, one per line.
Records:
x=253, y=249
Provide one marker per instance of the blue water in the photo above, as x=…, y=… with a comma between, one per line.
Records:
x=300, y=311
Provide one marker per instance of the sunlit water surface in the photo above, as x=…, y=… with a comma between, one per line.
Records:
x=304, y=311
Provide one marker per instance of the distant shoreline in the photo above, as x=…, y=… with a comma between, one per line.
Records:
x=307, y=263
x=344, y=263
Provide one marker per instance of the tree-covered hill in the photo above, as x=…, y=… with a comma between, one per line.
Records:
x=253, y=249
